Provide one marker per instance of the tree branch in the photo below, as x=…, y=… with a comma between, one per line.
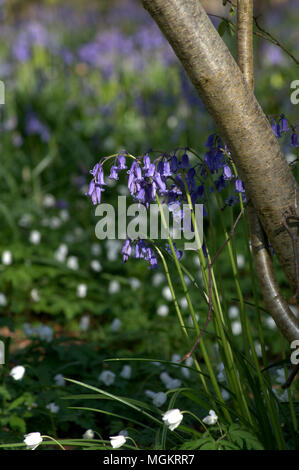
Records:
x=267, y=177
x=273, y=297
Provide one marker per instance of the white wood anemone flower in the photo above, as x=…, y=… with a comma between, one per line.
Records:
x=172, y=418
x=117, y=441
x=89, y=434
x=17, y=372
x=211, y=419
x=32, y=440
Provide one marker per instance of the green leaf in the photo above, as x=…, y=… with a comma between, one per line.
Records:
x=222, y=28
x=194, y=444
x=4, y=393
x=209, y=444
x=244, y=438
x=231, y=29
x=16, y=423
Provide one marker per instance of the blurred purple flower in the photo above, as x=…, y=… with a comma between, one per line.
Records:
x=34, y=126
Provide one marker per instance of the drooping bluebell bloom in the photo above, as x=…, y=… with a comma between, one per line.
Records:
x=214, y=141
x=99, y=175
x=294, y=140
x=199, y=192
x=146, y=192
x=95, y=187
x=214, y=160
x=184, y=162
x=139, y=249
x=276, y=129
x=94, y=192
x=154, y=261
x=174, y=164
x=220, y=183
x=114, y=172
x=174, y=194
x=126, y=250
x=122, y=162
x=146, y=162
x=210, y=141
x=135, y=177
x=35, y=127
x=150, y=171
x=179, y=182
x=148, y=166
x=178, y=253
x=190, y=180
x=166, y=169
x=150, y=191
x=160, y=167
x=239, y=186
x=141, y=195
x=95, y=169
x=138, y=172
x=284, y=123
x=160, y=183
x=151, y=256
x=227, y=172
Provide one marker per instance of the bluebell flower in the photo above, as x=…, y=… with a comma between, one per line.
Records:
x=220, y=183
x=122, y=162
x=126, y=250
x=174, y=164
x=284, y=123
x=166, y=169
x=142, y=250
x=114, y=172
x=214, y=159
x=210, y=141
x=294, y=140
x=160, y=167
x=35, y=127
x=276, y=129
x=100, y=176
x=185, y=161
x=227, y=172
x=135, y=177
x=95, y=169
x=178, y=253
x=148, y=167
x=94, y=192
x=239, y=186
x=139, y=249
x=199, y=192
x=151, y=171
x=160, y=183
x=154, y=261
x=174, y=194
x=146, y=162
x=190, y=180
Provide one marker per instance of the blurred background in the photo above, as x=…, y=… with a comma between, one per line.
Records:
x=84, y=80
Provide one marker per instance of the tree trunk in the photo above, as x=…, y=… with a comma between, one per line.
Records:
x=268, y=180
x=273, y=298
